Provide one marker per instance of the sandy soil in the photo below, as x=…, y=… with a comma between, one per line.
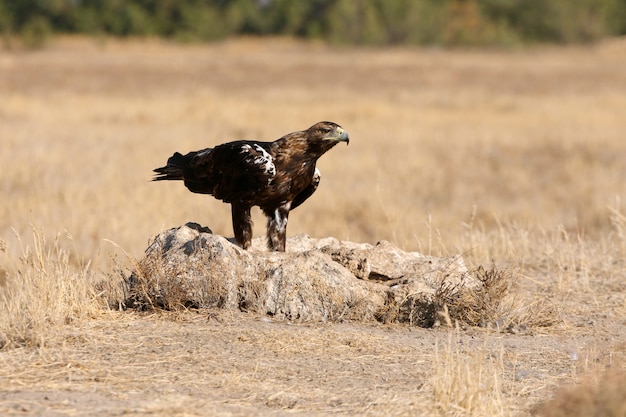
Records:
x=217, y=363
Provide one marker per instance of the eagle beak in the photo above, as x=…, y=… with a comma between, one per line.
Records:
x=343, y=136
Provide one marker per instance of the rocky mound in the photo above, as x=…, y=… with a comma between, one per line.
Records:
x=315, y=280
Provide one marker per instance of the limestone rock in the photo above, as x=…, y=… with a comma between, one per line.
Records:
x=315, y=280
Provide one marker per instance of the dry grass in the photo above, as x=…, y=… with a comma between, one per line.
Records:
x=603, y=396
x=467, y=383
x=515, y=159
x=42, y=291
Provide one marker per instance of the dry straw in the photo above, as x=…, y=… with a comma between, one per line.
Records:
x=43, y=289
x=467, y=383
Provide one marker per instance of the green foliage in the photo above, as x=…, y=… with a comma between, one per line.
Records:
x=6, y=24
x=198, y=22
x=559, y=21
x=367, y=22
x=35, y=32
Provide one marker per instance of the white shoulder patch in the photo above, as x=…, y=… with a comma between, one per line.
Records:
x=204, y=152
x=258, y=156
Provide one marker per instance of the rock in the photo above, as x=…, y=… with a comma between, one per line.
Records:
x=315, y=280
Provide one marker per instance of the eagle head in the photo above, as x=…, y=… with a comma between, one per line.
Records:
x=328, y=133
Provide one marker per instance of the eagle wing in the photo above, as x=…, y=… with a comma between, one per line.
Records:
x=308, y=191
x=232, y=172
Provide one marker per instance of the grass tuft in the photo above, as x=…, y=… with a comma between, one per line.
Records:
x=497, y=302
x=467, y=382
x=41, y=289
x=603, y=398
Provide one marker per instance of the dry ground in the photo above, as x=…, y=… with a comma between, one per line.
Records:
x=513, y=157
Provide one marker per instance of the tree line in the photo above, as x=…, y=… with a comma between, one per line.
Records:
x=350, y=22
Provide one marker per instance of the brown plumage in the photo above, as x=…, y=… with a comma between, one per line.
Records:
x=275, y=176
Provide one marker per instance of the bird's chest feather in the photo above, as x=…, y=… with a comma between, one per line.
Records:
x=293, y=176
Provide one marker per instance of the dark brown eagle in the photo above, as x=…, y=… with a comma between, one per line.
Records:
x=276, y=176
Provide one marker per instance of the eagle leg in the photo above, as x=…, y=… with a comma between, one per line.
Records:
x=242, y=225
x=277, y=227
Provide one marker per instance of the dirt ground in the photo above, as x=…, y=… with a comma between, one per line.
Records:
x=510, y=157
x=223, y=364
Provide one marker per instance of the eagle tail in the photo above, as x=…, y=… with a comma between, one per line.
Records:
x=174, y=168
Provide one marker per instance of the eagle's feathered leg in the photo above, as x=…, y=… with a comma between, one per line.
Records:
x=277, y=227
x=242, y=225
x=308, y=191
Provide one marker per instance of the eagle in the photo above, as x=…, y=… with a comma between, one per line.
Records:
x=276, y=176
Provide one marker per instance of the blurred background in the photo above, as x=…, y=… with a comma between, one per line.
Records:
x=487, y=127
x=347, y=22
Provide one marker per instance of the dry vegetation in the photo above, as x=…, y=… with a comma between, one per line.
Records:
x=515, y=159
